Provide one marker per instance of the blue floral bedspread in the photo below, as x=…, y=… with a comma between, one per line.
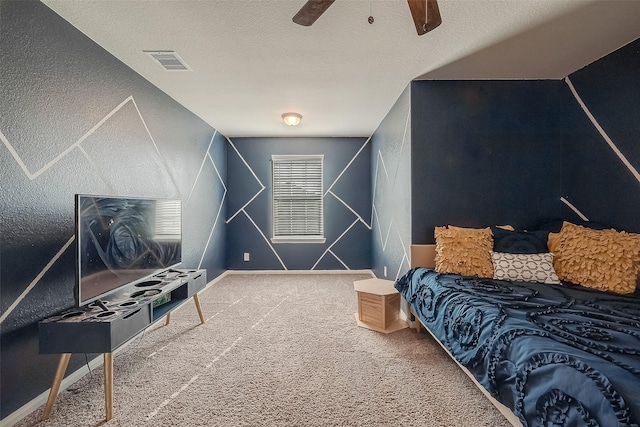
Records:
x=557, y=355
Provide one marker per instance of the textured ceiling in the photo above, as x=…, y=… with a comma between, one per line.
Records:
x=251, y=63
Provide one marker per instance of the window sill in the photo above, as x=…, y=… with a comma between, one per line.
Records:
x=300, y=239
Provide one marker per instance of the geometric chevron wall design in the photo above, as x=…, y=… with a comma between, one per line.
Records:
x=612, y=145
x=116, y=184
x=522, y=152
x=84, y=123
x=602, y=132
x=600, y=174
x=346, y=198
x=391, y=207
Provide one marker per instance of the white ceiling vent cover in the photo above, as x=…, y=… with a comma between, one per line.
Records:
x=168, y=60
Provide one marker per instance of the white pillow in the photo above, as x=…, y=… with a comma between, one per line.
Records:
x=524, y=267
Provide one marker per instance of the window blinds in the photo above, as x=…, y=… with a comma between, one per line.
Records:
x=297, y=197
x=168, y=220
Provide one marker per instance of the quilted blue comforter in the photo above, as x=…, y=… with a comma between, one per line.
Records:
x=557, y=355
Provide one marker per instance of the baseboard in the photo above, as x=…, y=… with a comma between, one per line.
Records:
x=40, y=400
x=301, y=272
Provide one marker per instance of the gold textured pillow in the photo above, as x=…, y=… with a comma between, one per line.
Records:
x=552, y=241
x=603, y=259
x=465, y=251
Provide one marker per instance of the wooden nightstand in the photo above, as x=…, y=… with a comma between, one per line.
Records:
x=378, y=305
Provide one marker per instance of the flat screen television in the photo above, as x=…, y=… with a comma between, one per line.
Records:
x=121, y=240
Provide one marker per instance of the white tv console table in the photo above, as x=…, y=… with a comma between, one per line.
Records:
x=91, y=329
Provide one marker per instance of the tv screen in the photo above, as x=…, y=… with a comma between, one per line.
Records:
x=121, y=240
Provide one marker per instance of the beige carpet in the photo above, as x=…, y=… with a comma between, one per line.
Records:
x=277, y=350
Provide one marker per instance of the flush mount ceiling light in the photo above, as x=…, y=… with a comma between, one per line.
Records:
x=291, y=119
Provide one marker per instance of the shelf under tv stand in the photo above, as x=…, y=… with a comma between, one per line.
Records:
x=89, y=329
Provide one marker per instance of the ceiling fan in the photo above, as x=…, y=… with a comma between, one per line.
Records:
x=425, y=13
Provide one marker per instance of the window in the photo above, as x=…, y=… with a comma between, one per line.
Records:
x=168, y=220
x=297, y=199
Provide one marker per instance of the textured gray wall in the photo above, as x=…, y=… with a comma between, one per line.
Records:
x=391, y=177
x=74, y=119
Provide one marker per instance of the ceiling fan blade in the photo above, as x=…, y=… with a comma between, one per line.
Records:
x=419, y=14
x=433, y=15
x=425, y=14
x=311, y=11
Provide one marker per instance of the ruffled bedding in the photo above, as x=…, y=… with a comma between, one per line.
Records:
x=556, y=355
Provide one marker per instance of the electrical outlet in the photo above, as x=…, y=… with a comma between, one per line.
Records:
x=385, y=271
x=246, y=256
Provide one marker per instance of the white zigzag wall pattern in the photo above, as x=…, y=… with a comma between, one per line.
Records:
x=242, y=209
x=209, y=158
x=574, y=209
x=606, y=138
x=82, y=123
x=328, y=191
x=386, y=210
x=604, y=135
x=78, y=144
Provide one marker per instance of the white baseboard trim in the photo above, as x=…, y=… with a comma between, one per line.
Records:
x=301, y=272
x=40, y=400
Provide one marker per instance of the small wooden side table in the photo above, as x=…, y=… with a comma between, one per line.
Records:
x=378, y=305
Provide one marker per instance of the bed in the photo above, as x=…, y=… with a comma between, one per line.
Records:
x=544, y=354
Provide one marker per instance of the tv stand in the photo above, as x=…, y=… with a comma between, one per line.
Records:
x=105, y=325
x=102, y=305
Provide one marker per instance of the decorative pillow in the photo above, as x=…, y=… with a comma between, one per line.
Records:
x=519, y=242
x=524, y=267
x=555, y=225
x=552, y=241
x=465, y=251
x=603, y=259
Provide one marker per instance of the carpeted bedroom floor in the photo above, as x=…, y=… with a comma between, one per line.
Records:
x=277, y=350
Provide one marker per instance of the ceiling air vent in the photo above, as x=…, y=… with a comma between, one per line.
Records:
x=168, y=60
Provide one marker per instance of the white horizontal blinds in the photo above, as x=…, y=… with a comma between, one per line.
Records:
x=297, y=196
x=168, y=219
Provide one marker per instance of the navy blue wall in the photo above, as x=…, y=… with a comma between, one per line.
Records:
x=595, y=179
x=465, y=153
x=391, y=178
x=506, y=152
x=485, y=153
x=74, y=119
x=347, y=205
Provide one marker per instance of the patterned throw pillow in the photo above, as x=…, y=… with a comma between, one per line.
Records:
x=602, y=259
x=464, y=251
x=524, y=267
